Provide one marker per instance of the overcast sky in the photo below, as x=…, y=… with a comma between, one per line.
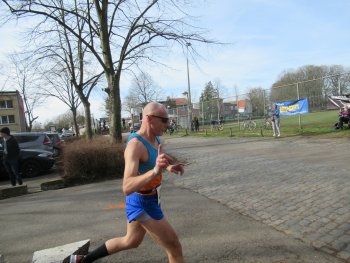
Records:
x=267, y=37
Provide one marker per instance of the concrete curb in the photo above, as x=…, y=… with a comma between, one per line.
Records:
x=53, y=185
x=13, y=191
x=61, y=254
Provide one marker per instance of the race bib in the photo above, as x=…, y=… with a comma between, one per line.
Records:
x=158, y=193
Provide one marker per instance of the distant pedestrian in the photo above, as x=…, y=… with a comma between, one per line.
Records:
x=196, y=124
x=123, y=121
x=10, y=156
x=275, y=118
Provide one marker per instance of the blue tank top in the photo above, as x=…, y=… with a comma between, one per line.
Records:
x=152, y=153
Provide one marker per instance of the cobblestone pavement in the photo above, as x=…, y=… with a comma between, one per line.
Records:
x=300, y=186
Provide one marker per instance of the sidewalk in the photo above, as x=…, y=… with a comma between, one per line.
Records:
x=34, y=184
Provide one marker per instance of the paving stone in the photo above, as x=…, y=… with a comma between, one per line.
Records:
x=309, y=200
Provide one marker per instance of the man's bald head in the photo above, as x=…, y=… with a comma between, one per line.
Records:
x=154, y=108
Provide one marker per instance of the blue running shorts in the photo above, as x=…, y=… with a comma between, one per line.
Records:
x=136, y=204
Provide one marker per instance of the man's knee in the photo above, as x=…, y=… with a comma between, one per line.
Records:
x=132, y=242
x=175, y=246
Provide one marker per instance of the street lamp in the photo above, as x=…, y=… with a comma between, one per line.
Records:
x=185, y=93
x=189, y=90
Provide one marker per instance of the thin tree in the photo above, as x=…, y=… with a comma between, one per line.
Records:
x=144, y=89
x=27, y=81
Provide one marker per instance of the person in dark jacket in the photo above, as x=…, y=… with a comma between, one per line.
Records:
x=10, y=156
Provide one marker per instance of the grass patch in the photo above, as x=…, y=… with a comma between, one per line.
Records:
x=312, y=124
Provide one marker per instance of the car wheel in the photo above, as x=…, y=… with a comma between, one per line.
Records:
x=30, y=169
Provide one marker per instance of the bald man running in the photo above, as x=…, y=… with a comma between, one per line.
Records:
x=144, y=165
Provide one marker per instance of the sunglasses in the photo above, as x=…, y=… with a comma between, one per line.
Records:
x=163, y=119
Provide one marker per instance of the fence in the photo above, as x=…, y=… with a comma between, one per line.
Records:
x=256, y=104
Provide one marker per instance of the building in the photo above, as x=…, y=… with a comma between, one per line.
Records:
x=231, y=110
x=12, y=111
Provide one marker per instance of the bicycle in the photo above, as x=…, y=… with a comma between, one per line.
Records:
x=248, y=125
x=266, y=123
x=217, y=125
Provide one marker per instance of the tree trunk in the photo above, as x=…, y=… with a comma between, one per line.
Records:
x=88, y=129
x=75, y=124
x=114, y=95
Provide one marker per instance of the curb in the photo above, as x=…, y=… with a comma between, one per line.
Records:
x=53, y=185
x=13, y=191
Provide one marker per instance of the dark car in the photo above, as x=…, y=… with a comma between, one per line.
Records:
x=31, y=162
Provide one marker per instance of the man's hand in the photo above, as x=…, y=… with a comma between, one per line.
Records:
x=162, y=161
x=176, y=168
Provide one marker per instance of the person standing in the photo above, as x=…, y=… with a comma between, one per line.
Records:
x=275, y=118
x=196, y=124
x=10, y=156
x=123, y=121
x=144, y=166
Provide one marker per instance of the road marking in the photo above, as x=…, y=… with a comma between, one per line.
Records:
x=119, y=205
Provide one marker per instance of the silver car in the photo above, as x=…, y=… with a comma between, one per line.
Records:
x=33, y=140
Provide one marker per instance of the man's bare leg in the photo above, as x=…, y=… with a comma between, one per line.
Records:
x=164, y=234
x=133, y=238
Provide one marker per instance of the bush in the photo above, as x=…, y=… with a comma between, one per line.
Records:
x=86, y=161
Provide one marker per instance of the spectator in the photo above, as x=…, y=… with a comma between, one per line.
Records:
x=196, y=124
x=123, y=121
x=275, y=118
x=10, y=156
x=343, y=117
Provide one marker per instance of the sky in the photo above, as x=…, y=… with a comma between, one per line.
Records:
x=263, y=38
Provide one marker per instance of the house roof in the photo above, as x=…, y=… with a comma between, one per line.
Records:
x=180, y=101
x=241, y=103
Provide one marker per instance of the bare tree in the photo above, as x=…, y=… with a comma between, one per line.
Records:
x=128, y=29
x=60, y=86
x=144, y=89
x=130, y=103
x=27, y=81
x=68, y=56
x=257, y=99
x=339, y=82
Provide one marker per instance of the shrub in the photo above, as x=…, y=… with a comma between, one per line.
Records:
x=86, y=161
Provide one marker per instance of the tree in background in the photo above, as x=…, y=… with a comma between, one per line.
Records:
x=257, y=98
x=27, y=81
x=144, y=89
x=314, y=82
x=128, y=32
x=209, y=101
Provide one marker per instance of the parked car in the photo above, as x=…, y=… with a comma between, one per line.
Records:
x=31, y=162
x=56, y=142
x=67, y=133
x=33, y=140
x=135, y=127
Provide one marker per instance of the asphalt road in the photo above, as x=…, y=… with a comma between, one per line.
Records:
x=219, y=207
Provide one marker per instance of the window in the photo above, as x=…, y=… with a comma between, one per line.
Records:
x=6, y=104
x=7, y=119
